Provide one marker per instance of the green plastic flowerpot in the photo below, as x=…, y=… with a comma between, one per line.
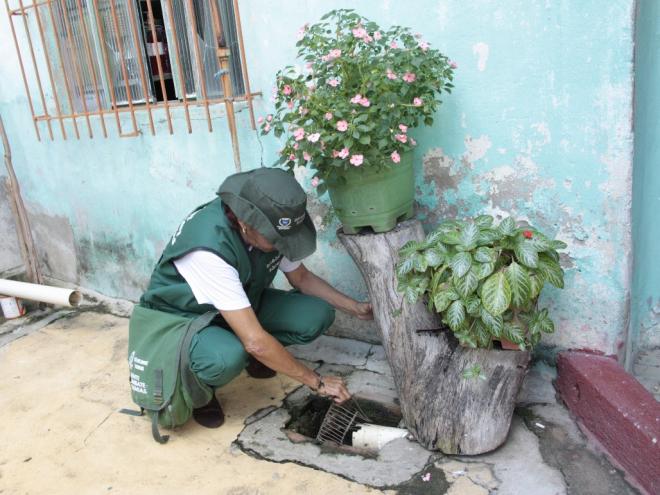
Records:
x=374, y=198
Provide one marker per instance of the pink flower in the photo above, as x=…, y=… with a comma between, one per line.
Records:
x=364, y=102
x=394, y=45
x=396, y=158
x=299, y=134
x=356, y=98
x=423, y=45
x=303, y=111
x=315, y=181
x=342, y=126
x=357, y=160
x=367, y=39
x=306, y=156
x=260, y=120
x=359, y=32
x=328, y=116
x=335, y=53
x=412, y=141
x=453, y=64
x=404, y=128
x=296, y=146
x=343, y=153
x=309, y=65
x=269, y=117
x=267, y=127
x=290, y=105
x=391, y=75
x=417, y=102
x=377, y=35
x=409, y=77
x=402, y=138
x=287, y=90
x=292, y=157
x=333, y=82
x=335, y=153
x=312, y=138
x=301, y=32
x=426, y=477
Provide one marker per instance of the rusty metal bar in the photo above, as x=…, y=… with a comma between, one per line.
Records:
x=76, y=67
x=64, y=76
x=88, y=50
x=20, y=63
x=244, y=69
x=159, y=64
x=141, y=66
x=124, y=71
x=27, y=7
x=200, y=65
x=177, y=51
x=36, y=71
x=49, y=70
x=223, y=62
x=106, y=65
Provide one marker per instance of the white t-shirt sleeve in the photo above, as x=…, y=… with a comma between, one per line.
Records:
x=287, y=266
x=212, y=280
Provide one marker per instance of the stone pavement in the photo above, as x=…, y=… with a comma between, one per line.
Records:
x=60, y=430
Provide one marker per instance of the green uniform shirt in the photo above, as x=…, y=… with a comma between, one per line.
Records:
x=207, y=228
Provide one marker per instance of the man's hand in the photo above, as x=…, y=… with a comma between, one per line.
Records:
x=363, y=311
x=334, y=387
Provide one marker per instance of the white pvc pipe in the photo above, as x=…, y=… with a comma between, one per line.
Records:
x=374, y=437
x=42, y=293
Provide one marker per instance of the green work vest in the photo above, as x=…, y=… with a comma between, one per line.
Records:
x=207, y=228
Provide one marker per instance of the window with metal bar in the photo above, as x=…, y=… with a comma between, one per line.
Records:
x=102, y=58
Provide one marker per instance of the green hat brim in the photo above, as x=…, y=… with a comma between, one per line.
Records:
x=295, y=245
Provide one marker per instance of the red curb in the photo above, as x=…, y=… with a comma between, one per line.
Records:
x=617, y=410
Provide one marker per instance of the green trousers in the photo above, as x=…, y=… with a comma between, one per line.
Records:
x=217, y=355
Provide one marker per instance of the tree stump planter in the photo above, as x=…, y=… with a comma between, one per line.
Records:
x=441, y=408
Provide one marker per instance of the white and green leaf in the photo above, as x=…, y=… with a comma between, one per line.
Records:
x=466, y=284
x=518, y=279
x=526, y=254
x=496, y=294
x=455, y=315
x=461, y=263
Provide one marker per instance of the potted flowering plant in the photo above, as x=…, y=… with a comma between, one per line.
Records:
x=484, y=280
x=348, y=112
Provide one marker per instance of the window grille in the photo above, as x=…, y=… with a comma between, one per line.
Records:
x=97, y=59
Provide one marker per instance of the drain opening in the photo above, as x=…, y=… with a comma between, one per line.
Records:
x=307, y=418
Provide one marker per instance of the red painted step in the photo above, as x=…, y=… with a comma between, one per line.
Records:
x=617, y=410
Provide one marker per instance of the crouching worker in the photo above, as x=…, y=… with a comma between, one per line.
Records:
x=223, y=258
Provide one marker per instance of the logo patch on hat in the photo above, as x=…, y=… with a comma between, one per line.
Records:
x=284, y=223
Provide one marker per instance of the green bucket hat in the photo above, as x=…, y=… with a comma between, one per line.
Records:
x=271, y=201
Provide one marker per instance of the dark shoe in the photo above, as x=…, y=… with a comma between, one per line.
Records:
x=210, y=415
x=256, y=369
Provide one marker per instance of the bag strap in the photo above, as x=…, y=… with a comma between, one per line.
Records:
x=198, y=391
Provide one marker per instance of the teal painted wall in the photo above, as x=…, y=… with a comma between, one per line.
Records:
x=540, y=124
x=646, y=180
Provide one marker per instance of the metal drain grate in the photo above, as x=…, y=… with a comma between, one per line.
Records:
x=340, y=420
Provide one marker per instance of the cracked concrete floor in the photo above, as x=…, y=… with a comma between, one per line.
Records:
x=60, y=430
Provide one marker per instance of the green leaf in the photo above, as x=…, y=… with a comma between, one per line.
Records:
x=410, y=294
x=535, y=286
x=482, y=334
x=461, y=263
x=456, y=315
x=410, y=247
x=496, y=294
x=405, y=266
x=526, y=254
x=558, y=244
x=518, y=279
x=466, y=284
x=434, y=256
x=494, y=323
x=541, y=322
x=507, y=226
x=482, y=270
x=443, y=299
x=551, y=270
x=489, y=236
x=484, y=255
x=469, y=236
x=420, y=264
x=452, y=237
x=472, y=305
x=514, y=333
x=483, y=221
